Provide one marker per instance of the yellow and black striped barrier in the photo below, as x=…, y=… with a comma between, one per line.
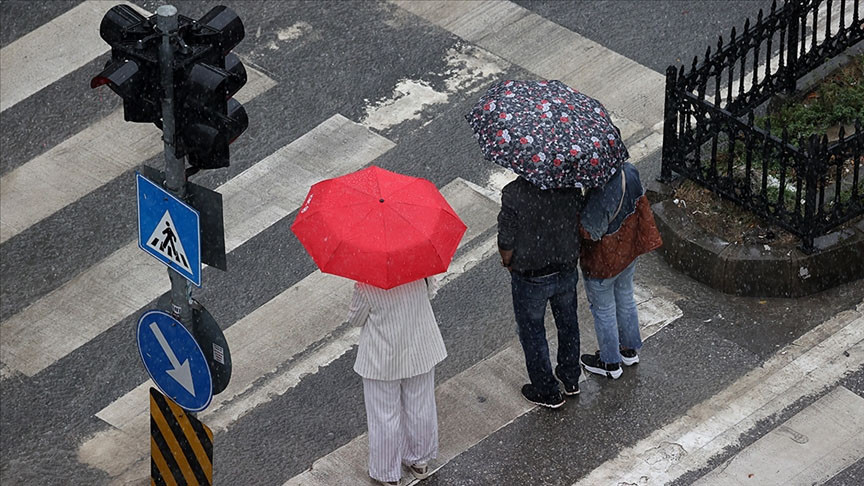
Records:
x=181, y=447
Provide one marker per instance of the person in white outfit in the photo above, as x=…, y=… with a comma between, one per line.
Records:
x=400, y=344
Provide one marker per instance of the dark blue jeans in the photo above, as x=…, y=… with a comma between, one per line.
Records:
x=530, y=295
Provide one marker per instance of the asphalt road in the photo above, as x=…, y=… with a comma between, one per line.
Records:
x=353, y=59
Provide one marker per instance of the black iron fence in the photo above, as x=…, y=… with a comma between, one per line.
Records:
x=806, y=186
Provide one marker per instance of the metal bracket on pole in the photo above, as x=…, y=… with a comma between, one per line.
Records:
x=175, y=169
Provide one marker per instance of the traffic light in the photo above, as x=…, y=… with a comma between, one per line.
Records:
x=208, y=118
x=206, y=76
x=133, y=70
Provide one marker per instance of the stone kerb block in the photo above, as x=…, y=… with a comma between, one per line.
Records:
x=758, y=270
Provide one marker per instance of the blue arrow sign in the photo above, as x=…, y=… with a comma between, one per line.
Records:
x=174, y=360
x=168, y=229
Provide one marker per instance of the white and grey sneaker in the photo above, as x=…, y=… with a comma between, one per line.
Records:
x=629, y=357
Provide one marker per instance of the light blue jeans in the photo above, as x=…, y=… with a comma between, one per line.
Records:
x=616, y=321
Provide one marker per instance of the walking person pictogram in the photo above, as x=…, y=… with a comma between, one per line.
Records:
x=166, y=241
x=170, y=237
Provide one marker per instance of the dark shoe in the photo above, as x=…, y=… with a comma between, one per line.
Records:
x=594, y=364
x=570, y=388
x=629, y=357
x=531, y=394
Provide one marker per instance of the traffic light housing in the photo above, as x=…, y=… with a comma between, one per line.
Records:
x=206, y=76
x=133, y=70
x=208, y=118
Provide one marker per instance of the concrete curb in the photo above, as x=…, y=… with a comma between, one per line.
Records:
x=752, y=269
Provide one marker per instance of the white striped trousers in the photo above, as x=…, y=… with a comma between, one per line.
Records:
x=403, y=423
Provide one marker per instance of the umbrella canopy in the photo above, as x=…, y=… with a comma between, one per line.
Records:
x=378, y=227
x=549, y=133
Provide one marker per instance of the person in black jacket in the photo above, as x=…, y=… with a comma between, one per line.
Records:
x=538, y=239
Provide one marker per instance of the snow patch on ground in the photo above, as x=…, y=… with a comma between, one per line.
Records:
x=290, y=33
x=293, y=32
x=406, y=103
x=468, y=69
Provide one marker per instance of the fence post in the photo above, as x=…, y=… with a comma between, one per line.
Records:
x=670, y=125
x=811, y=178
x=793, y=21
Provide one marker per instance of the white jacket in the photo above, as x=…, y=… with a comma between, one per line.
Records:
x=400, y=336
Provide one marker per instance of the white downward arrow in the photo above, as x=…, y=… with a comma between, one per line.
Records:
x=181, y=373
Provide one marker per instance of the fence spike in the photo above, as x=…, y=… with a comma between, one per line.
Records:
x=746, y=27
x=842, y=135
x=695, y=62
x=719, y=43
x=759, y=18
x=732, y=37
x=773, y=6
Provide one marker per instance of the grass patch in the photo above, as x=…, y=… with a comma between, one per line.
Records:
x=836, y=100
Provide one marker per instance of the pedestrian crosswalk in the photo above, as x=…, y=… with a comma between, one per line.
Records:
x=293, y=330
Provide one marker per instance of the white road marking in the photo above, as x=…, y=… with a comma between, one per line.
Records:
x=553, y=52
x=123, y=282
x=84, y=162
x=36, y=60
x=809, y=448
x=310, y=312
x=810, y=364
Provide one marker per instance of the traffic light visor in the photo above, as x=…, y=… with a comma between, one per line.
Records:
x=118, y=75
x=117, y=22
x=228, y=25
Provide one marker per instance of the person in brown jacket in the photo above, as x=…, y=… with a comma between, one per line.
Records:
x=617, y=227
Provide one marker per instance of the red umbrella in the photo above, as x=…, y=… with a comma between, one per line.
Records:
x=378, y=227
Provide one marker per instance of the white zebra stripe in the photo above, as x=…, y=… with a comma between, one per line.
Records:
x=809, y=448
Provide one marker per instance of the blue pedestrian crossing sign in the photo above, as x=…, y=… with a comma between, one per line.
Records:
x=169, y=229
x=174, y=360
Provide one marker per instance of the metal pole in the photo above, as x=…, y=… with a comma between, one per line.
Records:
x=175, y=169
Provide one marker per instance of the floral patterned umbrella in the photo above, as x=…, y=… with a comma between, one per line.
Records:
x=549, y=133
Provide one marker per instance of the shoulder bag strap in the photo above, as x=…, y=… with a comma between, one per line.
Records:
x=623, y=194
